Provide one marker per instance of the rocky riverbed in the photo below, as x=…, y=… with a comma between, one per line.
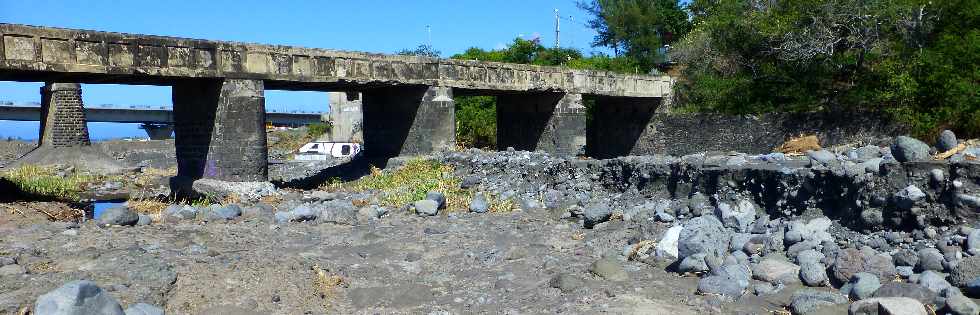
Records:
x=860, y=230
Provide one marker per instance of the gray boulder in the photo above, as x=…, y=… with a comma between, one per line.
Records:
x=966, y=271
x=973, y=242
x=80, y=297
x=909, y=290
x=821, y=157
x=957, y=304
x=119, y=216
x=179, y=212
x=337, y=212
x=907, y=197
x=737, y=216
x=907, y=149
x=693, y=263
x=222, y=212
x=298, y=214
x=886, y=306
x=221, y=190
x=143, y=309
x=934, y=281
x=851, y=261
x=813, y=274
x=807, y=301
x=438, y=197
x=721, y=285
x=703, y=235
x=930, y=259
x=947, y=141
x=776, y=271
x=426, y=207
x=479, y=204
x=862, y=285
x=867, y=152
x=596, y=213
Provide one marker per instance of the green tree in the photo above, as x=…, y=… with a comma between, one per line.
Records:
x=914, y=59
x=422, y=50
x=637, y=28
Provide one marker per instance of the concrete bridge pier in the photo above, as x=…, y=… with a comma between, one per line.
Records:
x=550, y=122
x=63, y=122
x=63, y=136
x=408, y=120
x=345, y=116
x=219, y=128
x=158, y=131
x=619, y=125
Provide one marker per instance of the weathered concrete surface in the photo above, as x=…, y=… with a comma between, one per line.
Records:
x=408, y=120
x=31, y=53
x=550, y=122
x=220, y=129
x=346, y=118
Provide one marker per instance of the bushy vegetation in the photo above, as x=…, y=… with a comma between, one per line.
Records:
x=46, y=183
x=315, y=130
x=915, y=60
x=413, y=181
x=476, y=121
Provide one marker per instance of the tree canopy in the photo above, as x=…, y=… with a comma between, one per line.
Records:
x=914, y=59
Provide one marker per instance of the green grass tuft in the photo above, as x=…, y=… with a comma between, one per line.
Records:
x=45, y=183
x=412, y=181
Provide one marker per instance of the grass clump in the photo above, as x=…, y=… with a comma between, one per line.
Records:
x=414, y=180
x=315, y=130
x=46, y=183
x=411, y=182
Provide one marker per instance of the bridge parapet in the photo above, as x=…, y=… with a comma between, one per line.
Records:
x=38, y=53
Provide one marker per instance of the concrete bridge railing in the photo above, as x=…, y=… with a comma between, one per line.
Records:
x=407, y=103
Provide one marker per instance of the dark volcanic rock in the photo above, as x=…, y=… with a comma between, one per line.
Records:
x=851, y=261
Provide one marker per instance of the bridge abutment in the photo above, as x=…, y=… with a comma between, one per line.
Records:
x=219, y=128
x=63, y=122
x=408, y=120
x=622, y=126
x=550, y=122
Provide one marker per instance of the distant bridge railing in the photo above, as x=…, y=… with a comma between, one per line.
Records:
x=151, y=114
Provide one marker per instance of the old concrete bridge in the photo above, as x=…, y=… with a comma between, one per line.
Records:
x=408, y=108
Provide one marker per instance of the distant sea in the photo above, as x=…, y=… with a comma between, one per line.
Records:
x=98, y=131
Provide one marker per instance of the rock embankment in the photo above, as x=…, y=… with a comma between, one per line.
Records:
x=867, y=230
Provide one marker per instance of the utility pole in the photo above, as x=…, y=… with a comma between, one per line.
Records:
x=557, y=30
x=428, y=30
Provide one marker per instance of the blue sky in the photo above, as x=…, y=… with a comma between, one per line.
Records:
x=368, y=25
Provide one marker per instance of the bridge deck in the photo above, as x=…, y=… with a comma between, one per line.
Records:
x=32, y=53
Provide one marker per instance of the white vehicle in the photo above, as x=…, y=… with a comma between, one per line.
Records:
x=321, y=151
